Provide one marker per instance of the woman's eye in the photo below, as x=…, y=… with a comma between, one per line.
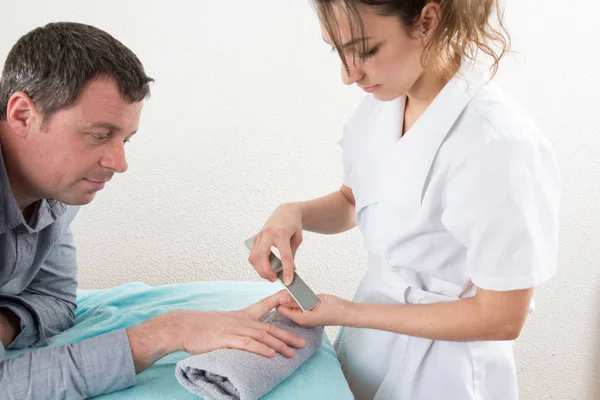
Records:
x=369, y=53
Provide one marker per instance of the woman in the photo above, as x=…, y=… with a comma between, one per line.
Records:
x=455, y=191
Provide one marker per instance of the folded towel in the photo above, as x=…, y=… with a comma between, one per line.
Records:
x=236, y=374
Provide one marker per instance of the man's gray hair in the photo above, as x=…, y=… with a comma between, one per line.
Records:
x=51, y=64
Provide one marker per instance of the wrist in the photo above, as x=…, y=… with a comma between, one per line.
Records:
x=153, y=340
x=295, y=207
x=351, y=314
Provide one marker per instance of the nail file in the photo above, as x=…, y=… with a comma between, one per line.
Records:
x=299, y=290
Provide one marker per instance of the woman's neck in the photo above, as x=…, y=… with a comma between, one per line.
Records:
x=421, y=95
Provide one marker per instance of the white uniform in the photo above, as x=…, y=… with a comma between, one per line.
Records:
x=468, y=197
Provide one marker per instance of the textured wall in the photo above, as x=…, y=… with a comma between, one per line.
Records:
x=246, y=112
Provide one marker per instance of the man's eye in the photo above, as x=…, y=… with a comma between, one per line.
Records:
x=100, y=138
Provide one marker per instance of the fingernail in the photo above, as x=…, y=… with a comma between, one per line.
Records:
x=288, y=281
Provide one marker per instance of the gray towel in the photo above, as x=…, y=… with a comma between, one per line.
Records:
x=236, y=374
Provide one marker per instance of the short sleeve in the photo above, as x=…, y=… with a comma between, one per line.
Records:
x=347, y=162
x=501, y=202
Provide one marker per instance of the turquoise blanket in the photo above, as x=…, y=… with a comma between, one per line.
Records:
x=100, y=311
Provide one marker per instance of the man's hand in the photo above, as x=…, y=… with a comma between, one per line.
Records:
x=198, y=332
x=10, y=326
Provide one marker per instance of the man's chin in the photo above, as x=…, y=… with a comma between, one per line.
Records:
x=80, y=200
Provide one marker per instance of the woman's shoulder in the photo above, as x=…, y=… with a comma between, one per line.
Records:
x=498, y=117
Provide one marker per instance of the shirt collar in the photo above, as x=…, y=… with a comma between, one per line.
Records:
x=425, y=137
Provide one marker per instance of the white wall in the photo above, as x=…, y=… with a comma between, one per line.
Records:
x=246, y=112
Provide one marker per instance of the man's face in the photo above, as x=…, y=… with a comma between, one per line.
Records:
x=76, y=151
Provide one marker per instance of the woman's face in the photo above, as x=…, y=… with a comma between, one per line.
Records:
x=391, y=64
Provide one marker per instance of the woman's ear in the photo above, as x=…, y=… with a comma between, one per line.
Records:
x=428, y=21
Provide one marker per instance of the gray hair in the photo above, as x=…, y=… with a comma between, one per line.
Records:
x=51, y=64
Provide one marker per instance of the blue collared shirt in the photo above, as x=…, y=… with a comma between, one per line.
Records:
x=38, y=283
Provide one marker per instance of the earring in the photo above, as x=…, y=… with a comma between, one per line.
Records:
x=423, y=33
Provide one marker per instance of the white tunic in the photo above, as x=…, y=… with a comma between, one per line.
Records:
x=468, y=197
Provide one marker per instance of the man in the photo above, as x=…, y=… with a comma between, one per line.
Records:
x=71, y=96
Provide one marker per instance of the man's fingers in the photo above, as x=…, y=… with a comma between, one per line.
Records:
x=248, y=344
x=263, y=336
x=257, y=310
x=286, y=300
x=286, y=337
x=295, y=314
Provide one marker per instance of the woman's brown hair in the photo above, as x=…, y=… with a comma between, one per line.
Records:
x=466, y=28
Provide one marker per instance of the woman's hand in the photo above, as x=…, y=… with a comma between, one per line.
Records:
x=330, y=311
x=284, y=231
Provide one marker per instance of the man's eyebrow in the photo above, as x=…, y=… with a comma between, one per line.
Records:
x=110, y=127
x=106, y=125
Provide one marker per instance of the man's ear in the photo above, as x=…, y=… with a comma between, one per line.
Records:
x=21, y=114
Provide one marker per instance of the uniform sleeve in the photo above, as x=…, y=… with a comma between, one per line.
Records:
x=346, y=162
x=501, y=202
x=89, y=368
